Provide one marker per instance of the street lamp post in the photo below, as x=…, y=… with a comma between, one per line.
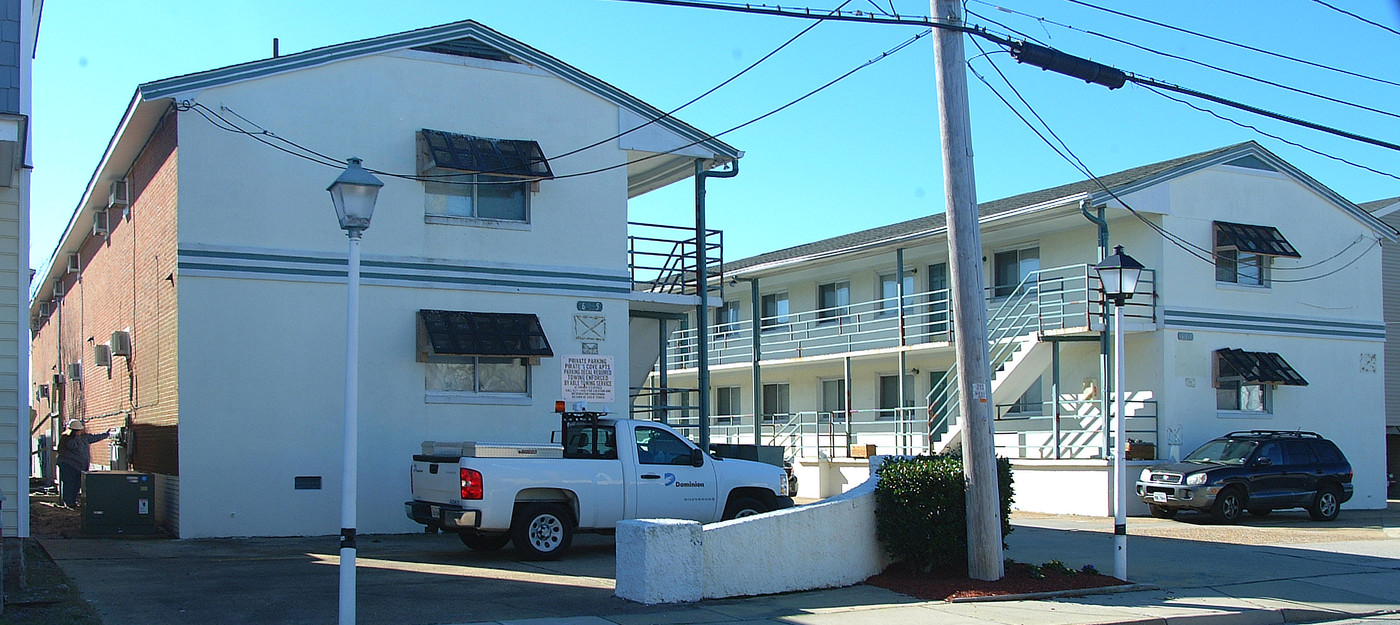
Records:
x=353, y=194
x=1118, y=275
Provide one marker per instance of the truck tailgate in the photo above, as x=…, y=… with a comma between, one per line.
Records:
x=437, y=479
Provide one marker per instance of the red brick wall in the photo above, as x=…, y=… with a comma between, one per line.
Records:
x=127, y=282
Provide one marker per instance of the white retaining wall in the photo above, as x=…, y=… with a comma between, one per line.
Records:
x=823, y=545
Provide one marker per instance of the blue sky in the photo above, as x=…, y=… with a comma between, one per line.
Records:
x=860, y=154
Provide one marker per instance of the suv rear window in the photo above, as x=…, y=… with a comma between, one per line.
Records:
x=1299, y=452
x=1327, y=451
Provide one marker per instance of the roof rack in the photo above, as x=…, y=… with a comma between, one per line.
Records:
x=1278, y=433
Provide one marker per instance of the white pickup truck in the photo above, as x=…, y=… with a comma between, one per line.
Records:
x=606, y=470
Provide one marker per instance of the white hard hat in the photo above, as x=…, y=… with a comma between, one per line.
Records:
x=76, y=424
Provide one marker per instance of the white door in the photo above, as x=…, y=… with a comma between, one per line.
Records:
x=668, y=485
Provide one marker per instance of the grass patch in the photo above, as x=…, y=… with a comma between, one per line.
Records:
x=45, y=596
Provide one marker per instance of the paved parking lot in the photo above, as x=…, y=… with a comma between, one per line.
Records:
x=419, y=578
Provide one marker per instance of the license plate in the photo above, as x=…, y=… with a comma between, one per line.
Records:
x=1160, y=497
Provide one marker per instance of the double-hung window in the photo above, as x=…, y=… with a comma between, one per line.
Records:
x=476, y=180
x=1244, y=253
x=833, y=301
x=774, y=308
x=1012, y=267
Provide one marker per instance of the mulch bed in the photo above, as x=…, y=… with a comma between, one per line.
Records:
x=950, y=583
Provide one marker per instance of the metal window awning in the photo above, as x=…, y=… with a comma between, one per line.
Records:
x=1266, y=240
x=461, y=333
x=1261, y=367
x=439, y=150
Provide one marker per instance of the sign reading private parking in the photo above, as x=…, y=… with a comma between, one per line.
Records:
x=588, y=378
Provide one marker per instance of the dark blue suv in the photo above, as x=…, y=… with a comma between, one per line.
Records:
x=1258, y=470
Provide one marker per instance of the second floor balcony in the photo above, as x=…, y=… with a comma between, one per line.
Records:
x=1061, y=300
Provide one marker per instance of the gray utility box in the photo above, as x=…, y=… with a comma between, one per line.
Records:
x=119, y=503
x=767, y=454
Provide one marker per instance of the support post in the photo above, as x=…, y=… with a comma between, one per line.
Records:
x=1055, y=396
x=970, y=307
x=702, y=289
x=903, y=417
x=756, y=308
x=662, y=394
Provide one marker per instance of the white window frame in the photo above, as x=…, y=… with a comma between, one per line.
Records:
x=780, y=315
x=441, y=396
x=780, y=389
x=841, y=292
x=446, y=188
x=1000, y=290
x=889, y=301
x=1260, y=263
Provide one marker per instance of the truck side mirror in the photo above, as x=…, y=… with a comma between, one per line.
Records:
x=697, y=458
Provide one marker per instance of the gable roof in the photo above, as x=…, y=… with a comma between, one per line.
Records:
x=152, y=99
x=1120, y=183
x=1381, y=208
x=467, y=34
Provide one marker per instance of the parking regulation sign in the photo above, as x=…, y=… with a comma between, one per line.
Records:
x=588, y=378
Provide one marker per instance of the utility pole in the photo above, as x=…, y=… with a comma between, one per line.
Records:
x=984, y=556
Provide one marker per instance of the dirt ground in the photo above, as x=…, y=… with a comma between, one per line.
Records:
x=48, y=520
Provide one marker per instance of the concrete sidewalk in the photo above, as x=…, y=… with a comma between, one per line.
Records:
x=1291, y=573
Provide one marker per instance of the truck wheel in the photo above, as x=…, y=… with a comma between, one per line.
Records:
x=1229, y=505
x=483, y=541
x=542, y=531
x=1327, y=504
x=743, y=506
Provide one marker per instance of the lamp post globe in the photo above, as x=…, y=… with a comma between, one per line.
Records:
x=353, y=193
x=1119, y=274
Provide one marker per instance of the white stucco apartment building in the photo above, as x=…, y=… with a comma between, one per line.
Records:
x=198, y=296
x=1258, y=311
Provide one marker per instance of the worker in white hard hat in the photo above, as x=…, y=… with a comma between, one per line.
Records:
x=74, y=456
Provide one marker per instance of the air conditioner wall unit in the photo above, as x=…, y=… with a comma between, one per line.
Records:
x=73, y=263
x=43, y=310
x=99, y=223
x=116, y=194
x=102, y=355
x=75, y=371
x=58, y=289
x=43, y=391
x=121, y=343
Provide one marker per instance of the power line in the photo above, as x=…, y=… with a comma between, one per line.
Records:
x=1152, y=82
x=1233, y=43
x=1208, y=256
x=1271, y=135
x=1217, y=68
x=1368, y=21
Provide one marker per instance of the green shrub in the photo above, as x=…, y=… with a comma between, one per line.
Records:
x=921, y=509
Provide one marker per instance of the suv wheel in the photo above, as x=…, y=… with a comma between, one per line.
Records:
x=1326, y=505
x=1229, y=505
x=1161, y=512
